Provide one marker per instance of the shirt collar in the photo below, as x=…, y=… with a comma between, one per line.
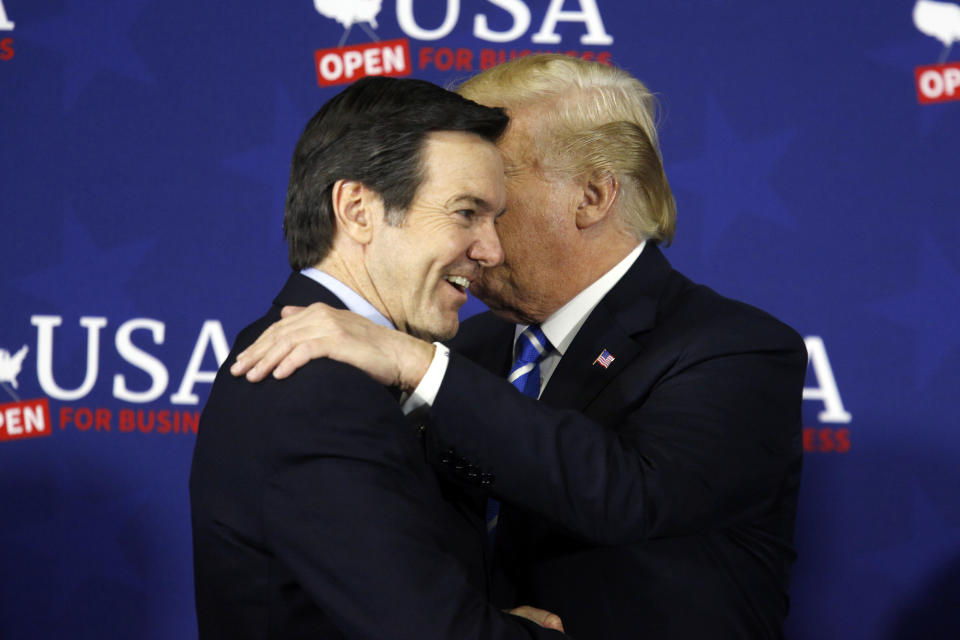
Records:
x=562, y=326
x=353, y=300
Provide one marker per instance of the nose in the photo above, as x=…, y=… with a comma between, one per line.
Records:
x=486, y=249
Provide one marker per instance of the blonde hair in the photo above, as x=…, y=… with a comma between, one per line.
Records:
x=591, y=119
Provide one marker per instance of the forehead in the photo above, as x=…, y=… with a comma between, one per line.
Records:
x=442, y=146
x=461, y=164
x=520, y=145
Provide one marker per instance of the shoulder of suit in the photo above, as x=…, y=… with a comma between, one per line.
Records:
x=698, y=310
x=314, y=382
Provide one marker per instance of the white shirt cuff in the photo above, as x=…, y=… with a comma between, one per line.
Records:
x=426, y=391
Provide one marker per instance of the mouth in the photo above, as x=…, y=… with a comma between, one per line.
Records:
x=460, y=283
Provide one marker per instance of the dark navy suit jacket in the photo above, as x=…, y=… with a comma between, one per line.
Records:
x=654, y=498
x=315, y=514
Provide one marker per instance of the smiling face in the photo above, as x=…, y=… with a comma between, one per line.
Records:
x=421, y=269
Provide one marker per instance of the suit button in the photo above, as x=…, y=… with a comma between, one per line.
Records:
x=472, y=472
x=460, y=464
x=447, y=457
x=486, y=479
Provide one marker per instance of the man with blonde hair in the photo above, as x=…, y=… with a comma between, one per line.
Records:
x=651, y=490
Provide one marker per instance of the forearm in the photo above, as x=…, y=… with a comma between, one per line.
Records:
x=703, y=450
x=390, y=357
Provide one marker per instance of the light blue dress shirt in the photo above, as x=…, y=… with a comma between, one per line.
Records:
x=354, y=301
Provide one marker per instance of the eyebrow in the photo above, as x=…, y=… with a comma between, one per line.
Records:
x=479, y=203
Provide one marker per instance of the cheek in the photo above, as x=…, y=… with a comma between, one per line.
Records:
x=510, y=233
x=517, y=228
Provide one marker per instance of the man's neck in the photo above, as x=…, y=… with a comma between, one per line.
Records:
x=353, y=276
x=589, y=266
x=562, y=325
x=348, y=296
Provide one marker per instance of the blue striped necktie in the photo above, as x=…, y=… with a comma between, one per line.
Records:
x=525, y=373
x=533, y=347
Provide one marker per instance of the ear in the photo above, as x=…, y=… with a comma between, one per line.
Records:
x=355, y=208
x=600, y=192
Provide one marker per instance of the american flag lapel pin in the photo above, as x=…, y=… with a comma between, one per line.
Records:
x=604, y=359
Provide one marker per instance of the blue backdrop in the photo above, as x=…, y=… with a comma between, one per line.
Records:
x=143, y=164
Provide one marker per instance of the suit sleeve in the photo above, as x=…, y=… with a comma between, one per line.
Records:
x=712, y=443
x=345, y=507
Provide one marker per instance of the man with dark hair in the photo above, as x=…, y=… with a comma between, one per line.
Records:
x=651, y=490
x=314, y=511
x=373, y=134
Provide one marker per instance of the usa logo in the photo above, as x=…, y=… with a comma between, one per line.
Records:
x=346, y=63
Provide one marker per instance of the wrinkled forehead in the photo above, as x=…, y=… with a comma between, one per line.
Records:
x=462, y=168
x=520, y=145
x=529, y=145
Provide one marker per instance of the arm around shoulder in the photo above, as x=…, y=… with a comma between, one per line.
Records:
x=700, y=439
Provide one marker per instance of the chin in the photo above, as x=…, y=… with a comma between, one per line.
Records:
x=503, y=306
x=437, y=332
x=447, y=332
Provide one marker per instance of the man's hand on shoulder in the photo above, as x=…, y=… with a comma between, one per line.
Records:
x=303, y=334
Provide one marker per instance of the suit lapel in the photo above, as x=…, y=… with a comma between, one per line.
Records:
x=615, y=325
x=578, y=377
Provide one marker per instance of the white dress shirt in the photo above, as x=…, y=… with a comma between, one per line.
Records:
x=560, y=328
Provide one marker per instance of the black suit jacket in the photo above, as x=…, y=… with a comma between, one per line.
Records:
x=654, y=498
x=315, y=514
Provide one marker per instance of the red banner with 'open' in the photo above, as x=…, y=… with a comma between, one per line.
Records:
x=25, y=419
x=341, y=65
x=938, y=82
